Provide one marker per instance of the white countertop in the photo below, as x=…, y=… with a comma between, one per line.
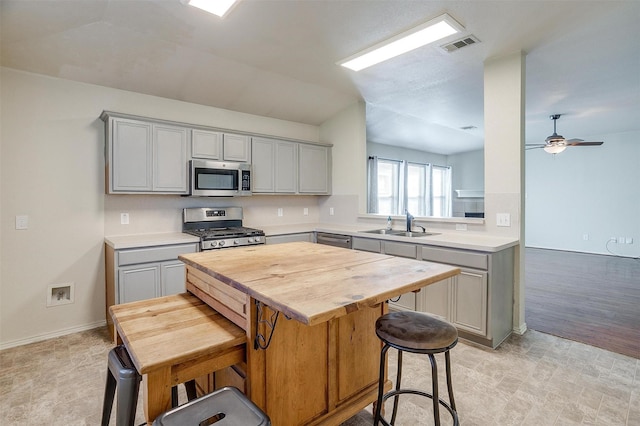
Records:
x=119, y=242
x=452, y=239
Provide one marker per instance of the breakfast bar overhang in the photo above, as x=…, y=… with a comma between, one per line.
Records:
x=309, y=313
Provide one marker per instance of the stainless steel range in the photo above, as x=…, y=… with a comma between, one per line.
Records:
x=219, y=227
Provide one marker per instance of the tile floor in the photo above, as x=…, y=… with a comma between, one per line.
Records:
x=535, y=379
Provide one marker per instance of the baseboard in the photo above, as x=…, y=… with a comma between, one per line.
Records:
x=47, y=336
x=520, y=329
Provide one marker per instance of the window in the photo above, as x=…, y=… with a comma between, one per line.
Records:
x=441, y=191
x=417, y=184
x=396, y=186
x=388, y=186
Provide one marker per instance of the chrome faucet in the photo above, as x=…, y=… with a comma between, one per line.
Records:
x=409, y=221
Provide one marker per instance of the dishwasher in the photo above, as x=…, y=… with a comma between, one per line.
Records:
x=335, y=240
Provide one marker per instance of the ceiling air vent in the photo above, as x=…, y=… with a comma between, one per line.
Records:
x=459, y=44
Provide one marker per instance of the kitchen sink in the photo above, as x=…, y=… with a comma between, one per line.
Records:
x=380, y=231
x=413, y=234
x=400, y=233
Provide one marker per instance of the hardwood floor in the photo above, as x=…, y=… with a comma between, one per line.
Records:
x=593, y=299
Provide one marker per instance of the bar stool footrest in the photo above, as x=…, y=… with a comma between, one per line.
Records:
x=446, y=405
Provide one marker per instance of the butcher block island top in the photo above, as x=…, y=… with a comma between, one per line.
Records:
x=314, y=283
x=319, y=363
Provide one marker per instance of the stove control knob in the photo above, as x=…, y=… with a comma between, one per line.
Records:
x=236, y=242
x=250, y=240
x=221, y=243
x=214, y=243
x=257, y=239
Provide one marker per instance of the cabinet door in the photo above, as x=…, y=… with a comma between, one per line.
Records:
x=206, y=144
x=131, y=148
x=286, y=167
x=314, y=169
x=435, y=299
x=366, y=244
x=138, y=282
x=236, y=148
x=279, y=239
x=170, y=153
x=172, y=278
x=263, y=166
x=469, y=301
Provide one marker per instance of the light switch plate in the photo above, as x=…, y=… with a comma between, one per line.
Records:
x=22, y=222
x=124, y=218
x=503, y=219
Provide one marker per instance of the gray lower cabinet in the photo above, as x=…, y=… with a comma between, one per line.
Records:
x=144, y=273
x=478, y=301
x=290, y=238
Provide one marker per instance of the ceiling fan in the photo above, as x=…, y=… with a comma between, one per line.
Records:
x=556, y=143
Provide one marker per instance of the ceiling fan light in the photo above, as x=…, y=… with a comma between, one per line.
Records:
x=554, y=149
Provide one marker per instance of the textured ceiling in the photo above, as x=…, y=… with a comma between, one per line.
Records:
x=277, y=58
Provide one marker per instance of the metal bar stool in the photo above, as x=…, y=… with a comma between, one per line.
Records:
x=225, y=407
x=122, y=373
x=418, y=333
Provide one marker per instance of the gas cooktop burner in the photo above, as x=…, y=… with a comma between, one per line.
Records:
x=217, y=233
x=220, y=228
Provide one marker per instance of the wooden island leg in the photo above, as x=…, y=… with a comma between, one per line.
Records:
x=158, y=401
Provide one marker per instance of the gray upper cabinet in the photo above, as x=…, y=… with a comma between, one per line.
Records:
x=206, y=144
x=236, y=148
x=315, y=169
x=287, y=167
x=274, y=166
x=170, y=158
x=219, y=146
x=129, y=158
x=145, y=157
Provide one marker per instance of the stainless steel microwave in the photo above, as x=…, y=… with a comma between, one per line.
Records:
x=219, y=179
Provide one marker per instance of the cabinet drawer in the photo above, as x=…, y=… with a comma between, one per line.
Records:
x=366, y=244
x=456, y=257
x=223, y=298
x=153, y=254
x=400, y=249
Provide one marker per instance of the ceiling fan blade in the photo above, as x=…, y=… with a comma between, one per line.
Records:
x=581, y=143
x=534, y=147
x=535, y=144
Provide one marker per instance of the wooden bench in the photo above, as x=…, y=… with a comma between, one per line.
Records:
x=174, y=339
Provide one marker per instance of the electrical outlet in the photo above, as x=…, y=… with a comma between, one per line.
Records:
x=124, y=218
x=22, y=222
x=305, y=211
x=585, y=237
x=331, y=211
x=629, y=240
x=503, y=219
x=621, y=240
x=280, y=212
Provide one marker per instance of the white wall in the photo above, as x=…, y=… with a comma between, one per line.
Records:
x=593, y=191
x=52, y=169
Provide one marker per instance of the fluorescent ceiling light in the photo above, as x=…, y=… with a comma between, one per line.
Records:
x=217, y=7
x=433, y=30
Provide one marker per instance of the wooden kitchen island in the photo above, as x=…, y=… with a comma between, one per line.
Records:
x=309, y=313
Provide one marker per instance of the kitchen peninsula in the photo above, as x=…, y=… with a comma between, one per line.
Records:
x=309, y=313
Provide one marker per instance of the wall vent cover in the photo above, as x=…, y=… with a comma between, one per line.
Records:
x=459, y=44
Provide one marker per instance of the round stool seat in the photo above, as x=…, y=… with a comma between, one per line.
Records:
x=415, y=331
